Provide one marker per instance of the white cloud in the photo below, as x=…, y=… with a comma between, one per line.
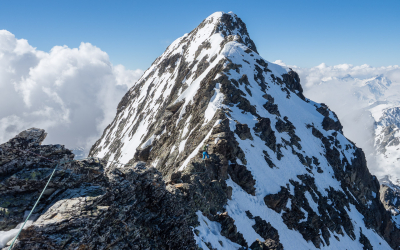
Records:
x=325, y=84
x=72, y=93
x=314, y=75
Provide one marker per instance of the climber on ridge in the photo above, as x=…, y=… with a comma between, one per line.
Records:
x=205, y=153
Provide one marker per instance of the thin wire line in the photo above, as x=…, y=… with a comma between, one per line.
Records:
x=15, y=238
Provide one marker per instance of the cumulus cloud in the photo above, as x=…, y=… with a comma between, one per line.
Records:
x=72, y=93
x=337, y=87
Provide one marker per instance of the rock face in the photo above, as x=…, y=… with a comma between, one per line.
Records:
x=280, y=174
x=23, y=174
x=86, y=206
x=390, y=197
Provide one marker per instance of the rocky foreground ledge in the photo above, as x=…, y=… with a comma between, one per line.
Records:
x=86, y=206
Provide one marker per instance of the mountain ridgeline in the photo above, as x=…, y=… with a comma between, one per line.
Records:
x=281, y=175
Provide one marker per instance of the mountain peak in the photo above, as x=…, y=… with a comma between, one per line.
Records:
x=347, y=77
x=277, y=162
x=229, y=24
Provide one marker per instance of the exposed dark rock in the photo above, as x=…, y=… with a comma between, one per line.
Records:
x=85, y=206
x=228, y=228
x=264, y=64
x=365, y=242
x=204, y=45
x=356, y=174
x=292, y=81
x=23, y=174
x=265, y=132
x=244, y=80
x=266, y=245
x=242, y=177
x=267, y=158
x=235, y=96
x=270, y=106
x=259, y=78
x=282, y=126
x=143, y=154
x=243, y=131
x=268, y=232
x=287, y=126
x=168, y=63
x=213, y=58
x=232, y=66
x=277, y=201
x=174, y=107
x=390, y=195
x=202, y=66
x=238, y=25
x=328, y=123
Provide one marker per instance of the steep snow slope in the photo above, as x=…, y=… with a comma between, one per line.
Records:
x=281, y=173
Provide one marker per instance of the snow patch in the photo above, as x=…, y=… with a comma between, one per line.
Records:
x=214, y=104
x=210, y=231
x=6, y=236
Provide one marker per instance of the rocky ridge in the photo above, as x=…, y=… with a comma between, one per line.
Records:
x=280, y=170
x=85, y=205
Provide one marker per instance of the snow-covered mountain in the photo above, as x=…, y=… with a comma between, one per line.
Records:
x=281, y=175
x=367, y=91
x=372, y=89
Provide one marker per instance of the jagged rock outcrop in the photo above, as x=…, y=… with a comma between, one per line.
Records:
x=23, y=173
x=390, y=195
x=390, y=198
x=86, y=206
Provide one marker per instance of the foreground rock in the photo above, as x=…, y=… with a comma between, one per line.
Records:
x=86, y=207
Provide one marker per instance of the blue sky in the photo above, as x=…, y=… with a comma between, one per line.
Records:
x=134, y=33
